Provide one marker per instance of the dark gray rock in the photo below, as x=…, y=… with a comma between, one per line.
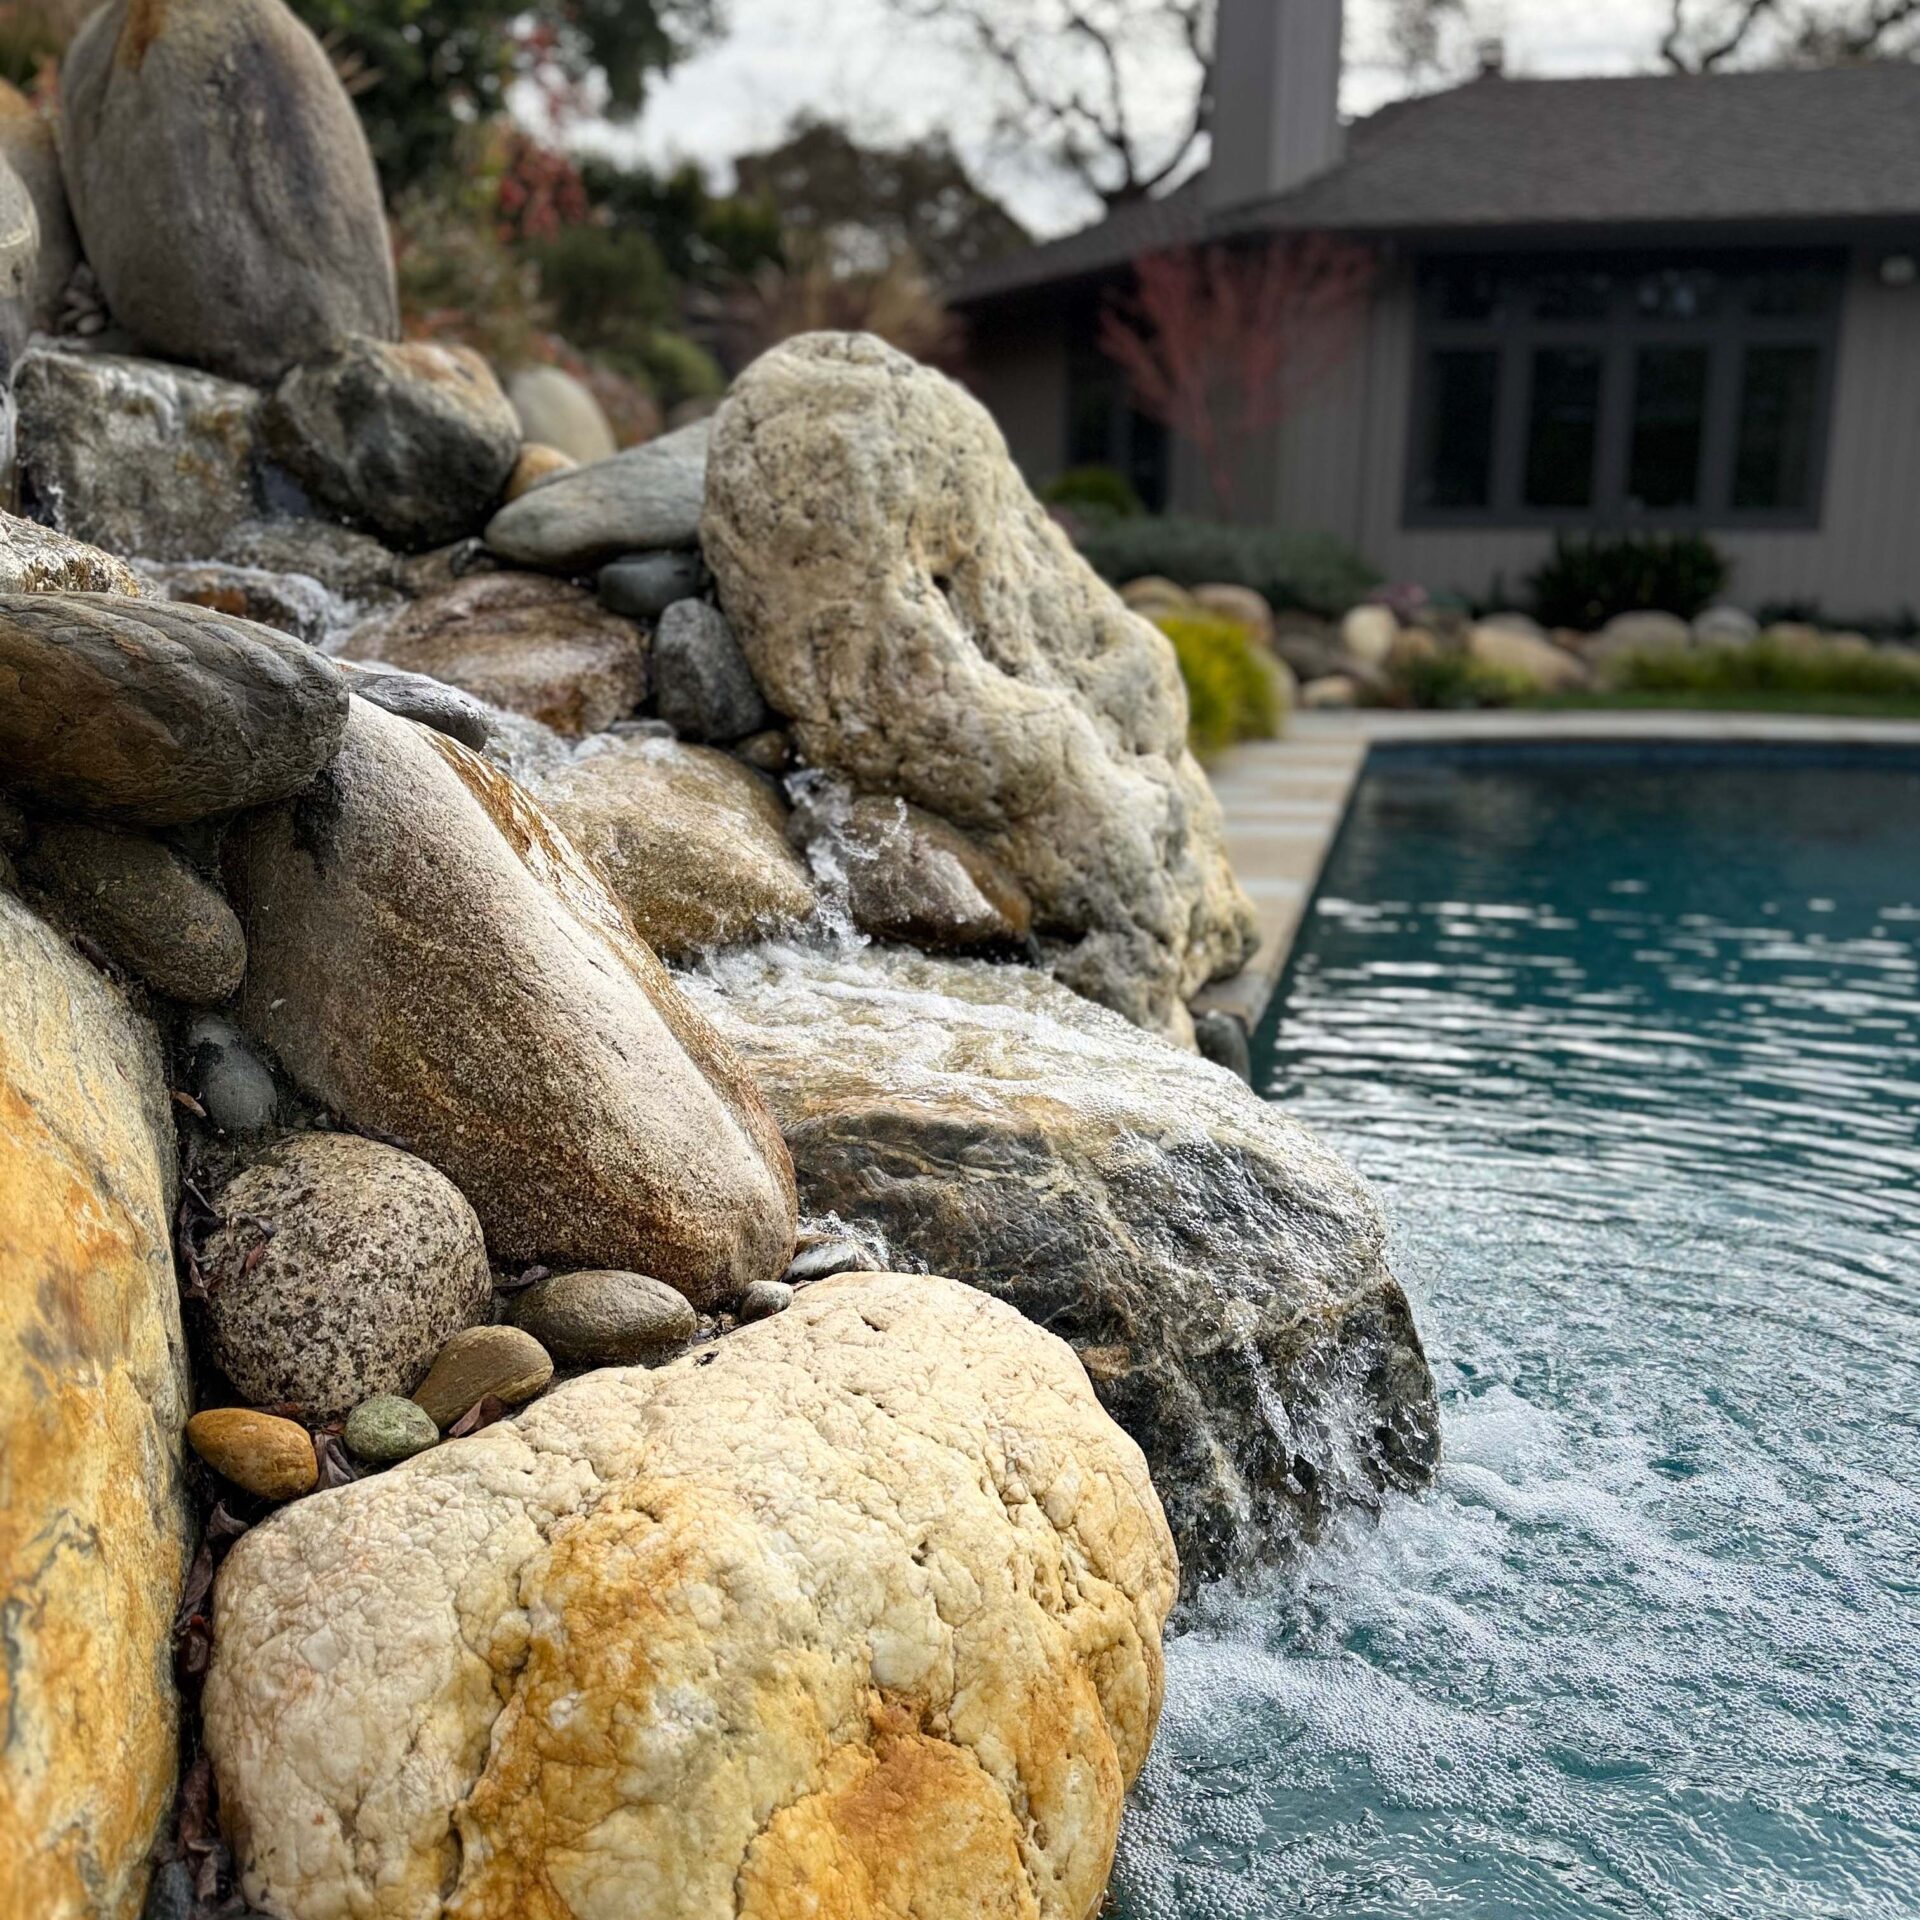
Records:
x=644, y=585
x=144, y=905
x=151, y=714
x=762, y=1301
x=136, y=456
x=415, y=441
x=343, y=1268
x=430, y=703
x=1222, y=1038
x=646, y=498
x=230, y=1081
x=604, y=1319
x=1220, y=1273
x=822, y=1259
x=702, y=683
x=170, y=1894
x=222, y=186
x=767, y=752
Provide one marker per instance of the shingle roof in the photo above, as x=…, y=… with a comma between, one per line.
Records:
x=1837, y=143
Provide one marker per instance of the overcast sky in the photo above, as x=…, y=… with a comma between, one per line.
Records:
x=853, y=61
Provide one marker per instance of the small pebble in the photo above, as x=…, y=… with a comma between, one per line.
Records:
x=762, y=1300
x=261, y=1452
x=537, y=462
x=768, y=752
x=507, y=1362
x=387, y=1429
x=644, y=585
x=827, y=1257
x=605, y=1319
x=228, y=1078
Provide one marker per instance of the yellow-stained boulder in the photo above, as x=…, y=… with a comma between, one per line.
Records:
x=93, y=1396
x=856, y=1615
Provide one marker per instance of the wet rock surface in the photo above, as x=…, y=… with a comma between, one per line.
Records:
x=94, y=1528
x=1221, y=1274
x=434, y=962
x=146, y=713
x=972, y=664
x=870, y=1595
x=245, y=232
x=342, y=1268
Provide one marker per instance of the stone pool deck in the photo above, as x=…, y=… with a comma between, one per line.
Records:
x=1284, y=799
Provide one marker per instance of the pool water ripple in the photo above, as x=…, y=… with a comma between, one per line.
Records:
x=1633, y=1058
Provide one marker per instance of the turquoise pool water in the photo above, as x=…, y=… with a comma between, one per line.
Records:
x=1633, y=1057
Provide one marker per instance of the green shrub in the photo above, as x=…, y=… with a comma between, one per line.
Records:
x=1452, y=682
x=678, y=368
x=1234, y=692
x=1100, y=490
x=1586, y=582
x=1767, y=667
x=1313, y=572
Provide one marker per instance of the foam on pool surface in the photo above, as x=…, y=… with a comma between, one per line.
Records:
x=1633, y=1056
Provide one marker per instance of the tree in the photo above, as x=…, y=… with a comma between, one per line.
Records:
x=1081, y=82
x=865, y=205
x=1220, y=343
x=422, y=71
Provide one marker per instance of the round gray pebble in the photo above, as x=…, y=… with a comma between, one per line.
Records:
x=387, y=1428
x=604, y=1319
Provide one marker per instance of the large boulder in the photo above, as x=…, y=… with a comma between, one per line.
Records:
x=94, y=1528
x=27, y=145
x=153, y=714
x=1222, y=1275
x=645, y=498
x=435, y=963
x=934, y=635
x=520, y=641
x=136, y=456
x=556, y=410
x=222, y=186
x=856, y=1614
x=1527, y=658
x=691, y=842
x=415, y=441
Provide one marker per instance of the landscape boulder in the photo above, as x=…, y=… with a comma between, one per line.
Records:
x=556, y=410
x=533, y=645
x=340, y=1268
x=1639, y=633
x=1222, y=1275
x=94, y=1527
x=222, y=185
x=433, y=961
x=692, y=843
x=703, y=686
x=1367, y=635
x=857, y=1612
x=147, y=713
x=1532, y=661
x=415, y=441
x=645, y=498
x=136, y=456
x=1726, y=627
x=932, y=634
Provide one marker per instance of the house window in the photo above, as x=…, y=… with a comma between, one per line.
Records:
x=1623, y=390
x=1104, y=428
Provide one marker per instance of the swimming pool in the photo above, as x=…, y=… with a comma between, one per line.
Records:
x=1632, y=1052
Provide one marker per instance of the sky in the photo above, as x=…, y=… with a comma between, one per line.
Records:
x=853, y=61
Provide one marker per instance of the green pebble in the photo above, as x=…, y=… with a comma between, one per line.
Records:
x=388, y=1428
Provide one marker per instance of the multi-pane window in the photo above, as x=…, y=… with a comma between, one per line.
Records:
x=1623, y=390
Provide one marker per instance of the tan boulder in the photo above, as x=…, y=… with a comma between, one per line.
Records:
x=521, y=641
x=1530, y=659
x=94, y=1530
x=692, y=843
x=857, y=1613
x=432, y=959
x=932, y=634
x=1367, y=634
x=1242, y=605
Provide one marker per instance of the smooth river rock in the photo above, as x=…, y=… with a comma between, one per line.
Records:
x=147, y=713
x=417, y=697
x=222, y=186
x=266, y=1455
x=521, y=641
x=503, y=1363
x=856, y=1614
x=691, y=842
x=94, y=1527
x=931, y=633
x=559, y=411
x=605, y=1319
x=1220, y=1272
x=644, y=585
x=430, y=958
x=342, y=1268
x=292, y=602
x=703, y=686
x=415, y=441
x=647, y=497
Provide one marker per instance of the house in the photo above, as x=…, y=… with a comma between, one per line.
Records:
x=1658, y=302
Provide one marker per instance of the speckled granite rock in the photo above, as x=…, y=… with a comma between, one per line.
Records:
x=374, y=1261
x=858, y=1613
x=94, y=1528
x=36, y=559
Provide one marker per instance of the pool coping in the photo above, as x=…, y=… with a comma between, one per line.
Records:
x=1283, y=801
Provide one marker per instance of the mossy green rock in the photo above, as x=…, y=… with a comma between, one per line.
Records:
x=387, y=1428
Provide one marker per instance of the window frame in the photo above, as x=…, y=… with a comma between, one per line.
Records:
x=1514, y=334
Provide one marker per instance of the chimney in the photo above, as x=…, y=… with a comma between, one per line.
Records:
x=1276, y=97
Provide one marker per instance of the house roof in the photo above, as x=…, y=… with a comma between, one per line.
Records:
x=1839, y=143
